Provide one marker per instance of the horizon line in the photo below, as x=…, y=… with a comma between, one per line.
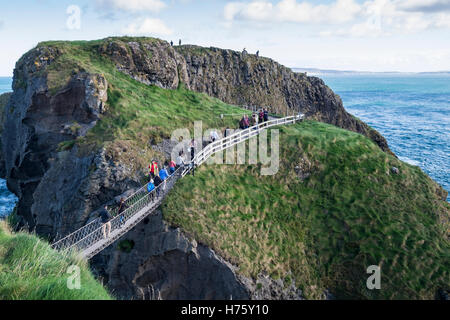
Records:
x=335, y=71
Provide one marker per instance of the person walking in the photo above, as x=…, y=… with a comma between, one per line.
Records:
x=180, y=159
x=153, y=169
x=105, y=217
x=158, y=182
x=122, y=207
x=266, y=115
x=254, y=121
x=242, y=123
x=172, y=166
x=193, y=147
x=261, y=116
x=214, y=135
x=150, y=188
x=163, y=174
x=246, y=122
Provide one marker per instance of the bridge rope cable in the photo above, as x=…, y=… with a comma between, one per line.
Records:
x=90, y=239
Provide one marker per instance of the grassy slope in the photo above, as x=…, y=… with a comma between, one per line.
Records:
x=327, y=230
x=31, y=270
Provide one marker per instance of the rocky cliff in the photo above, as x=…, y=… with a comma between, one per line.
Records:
x=4, y=98
x=57, y=188
x=59, y=184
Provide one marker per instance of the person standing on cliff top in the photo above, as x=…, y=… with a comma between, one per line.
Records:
x=106, y=220
x=171, y=43
x=179, y=42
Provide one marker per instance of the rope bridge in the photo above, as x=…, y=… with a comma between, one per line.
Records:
x=89, y=239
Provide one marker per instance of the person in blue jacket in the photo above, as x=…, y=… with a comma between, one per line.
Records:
x=150, y=188
x=163, y=174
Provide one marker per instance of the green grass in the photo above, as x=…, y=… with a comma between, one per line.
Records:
x=349, y=214
x=31, y=270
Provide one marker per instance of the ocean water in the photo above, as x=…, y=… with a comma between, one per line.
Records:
x=7, y=199
x=411, y=111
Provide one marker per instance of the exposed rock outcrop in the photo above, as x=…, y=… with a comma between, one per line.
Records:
x=165, y=264
x=4, y=98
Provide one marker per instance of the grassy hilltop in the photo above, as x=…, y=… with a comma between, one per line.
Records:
x=321, y=227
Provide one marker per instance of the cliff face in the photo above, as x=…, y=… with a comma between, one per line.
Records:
x=235, y=78
x=59, y=185
x=57, y=188
x=4, y=98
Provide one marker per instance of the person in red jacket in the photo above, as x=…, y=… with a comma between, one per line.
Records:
x=153, y=169
x=172, y=166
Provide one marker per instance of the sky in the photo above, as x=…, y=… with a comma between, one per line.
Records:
x=362, y=35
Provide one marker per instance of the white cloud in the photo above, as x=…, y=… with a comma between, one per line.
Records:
x=147, y=26
x=132, y=5
x=371, y=18
x=292, y=11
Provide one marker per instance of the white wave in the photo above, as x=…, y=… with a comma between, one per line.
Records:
x=409, y=161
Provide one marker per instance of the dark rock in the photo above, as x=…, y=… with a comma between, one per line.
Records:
x=165, y=264
x=395, y=170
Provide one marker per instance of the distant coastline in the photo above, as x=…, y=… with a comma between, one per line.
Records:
x=318, y=72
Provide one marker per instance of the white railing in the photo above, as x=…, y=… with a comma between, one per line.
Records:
x=240, y=136
x=89, y=239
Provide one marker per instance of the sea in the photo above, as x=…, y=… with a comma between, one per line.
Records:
x=412, y=111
